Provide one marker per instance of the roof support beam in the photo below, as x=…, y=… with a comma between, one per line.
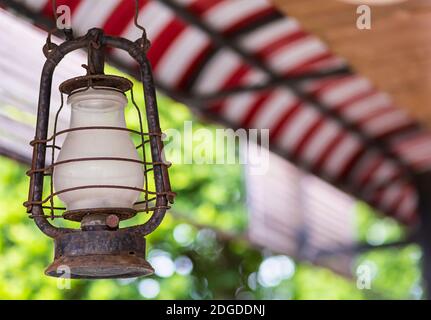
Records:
x=15, y=156
x=364, y=247
x=271, y=84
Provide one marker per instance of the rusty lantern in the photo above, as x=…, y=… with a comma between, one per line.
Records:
x=100, y=175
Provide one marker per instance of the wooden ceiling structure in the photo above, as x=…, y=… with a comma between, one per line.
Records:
x=395, y=54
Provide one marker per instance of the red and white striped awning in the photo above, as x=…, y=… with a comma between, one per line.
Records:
x=248, y=65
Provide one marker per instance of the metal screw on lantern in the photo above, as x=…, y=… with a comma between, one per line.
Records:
x=100, y=248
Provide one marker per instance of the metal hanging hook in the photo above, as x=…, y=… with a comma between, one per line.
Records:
x=135, y=20
x=143, y=41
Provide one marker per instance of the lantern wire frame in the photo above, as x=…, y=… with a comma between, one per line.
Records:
x=140, y=206
x=95, y=41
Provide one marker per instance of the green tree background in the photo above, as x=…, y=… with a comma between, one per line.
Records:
x=199, y=249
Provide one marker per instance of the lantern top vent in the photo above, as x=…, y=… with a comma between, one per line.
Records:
x=96, y=81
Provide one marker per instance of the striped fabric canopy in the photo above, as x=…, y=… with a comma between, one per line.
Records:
x=245, y=64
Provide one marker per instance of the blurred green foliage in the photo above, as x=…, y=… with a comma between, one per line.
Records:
x=396, y=271
x=198, y=250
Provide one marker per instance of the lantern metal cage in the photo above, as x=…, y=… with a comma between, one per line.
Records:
x=100, y=248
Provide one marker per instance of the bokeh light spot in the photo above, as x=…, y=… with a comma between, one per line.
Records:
x=163, y=265
x=275, y=269
x=183, y=265
x=149, y=288
x=183, y=234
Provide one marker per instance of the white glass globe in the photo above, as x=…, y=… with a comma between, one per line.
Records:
x=98, y=107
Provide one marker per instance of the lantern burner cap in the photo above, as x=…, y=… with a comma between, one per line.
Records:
x=79, y=214
x=96, y=81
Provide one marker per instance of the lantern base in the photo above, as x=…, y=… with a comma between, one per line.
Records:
x=99, y=267
x=99, y=254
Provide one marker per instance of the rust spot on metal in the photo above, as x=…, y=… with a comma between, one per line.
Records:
x=112, y=221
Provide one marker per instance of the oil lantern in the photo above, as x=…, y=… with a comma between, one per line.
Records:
x=103, y=172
